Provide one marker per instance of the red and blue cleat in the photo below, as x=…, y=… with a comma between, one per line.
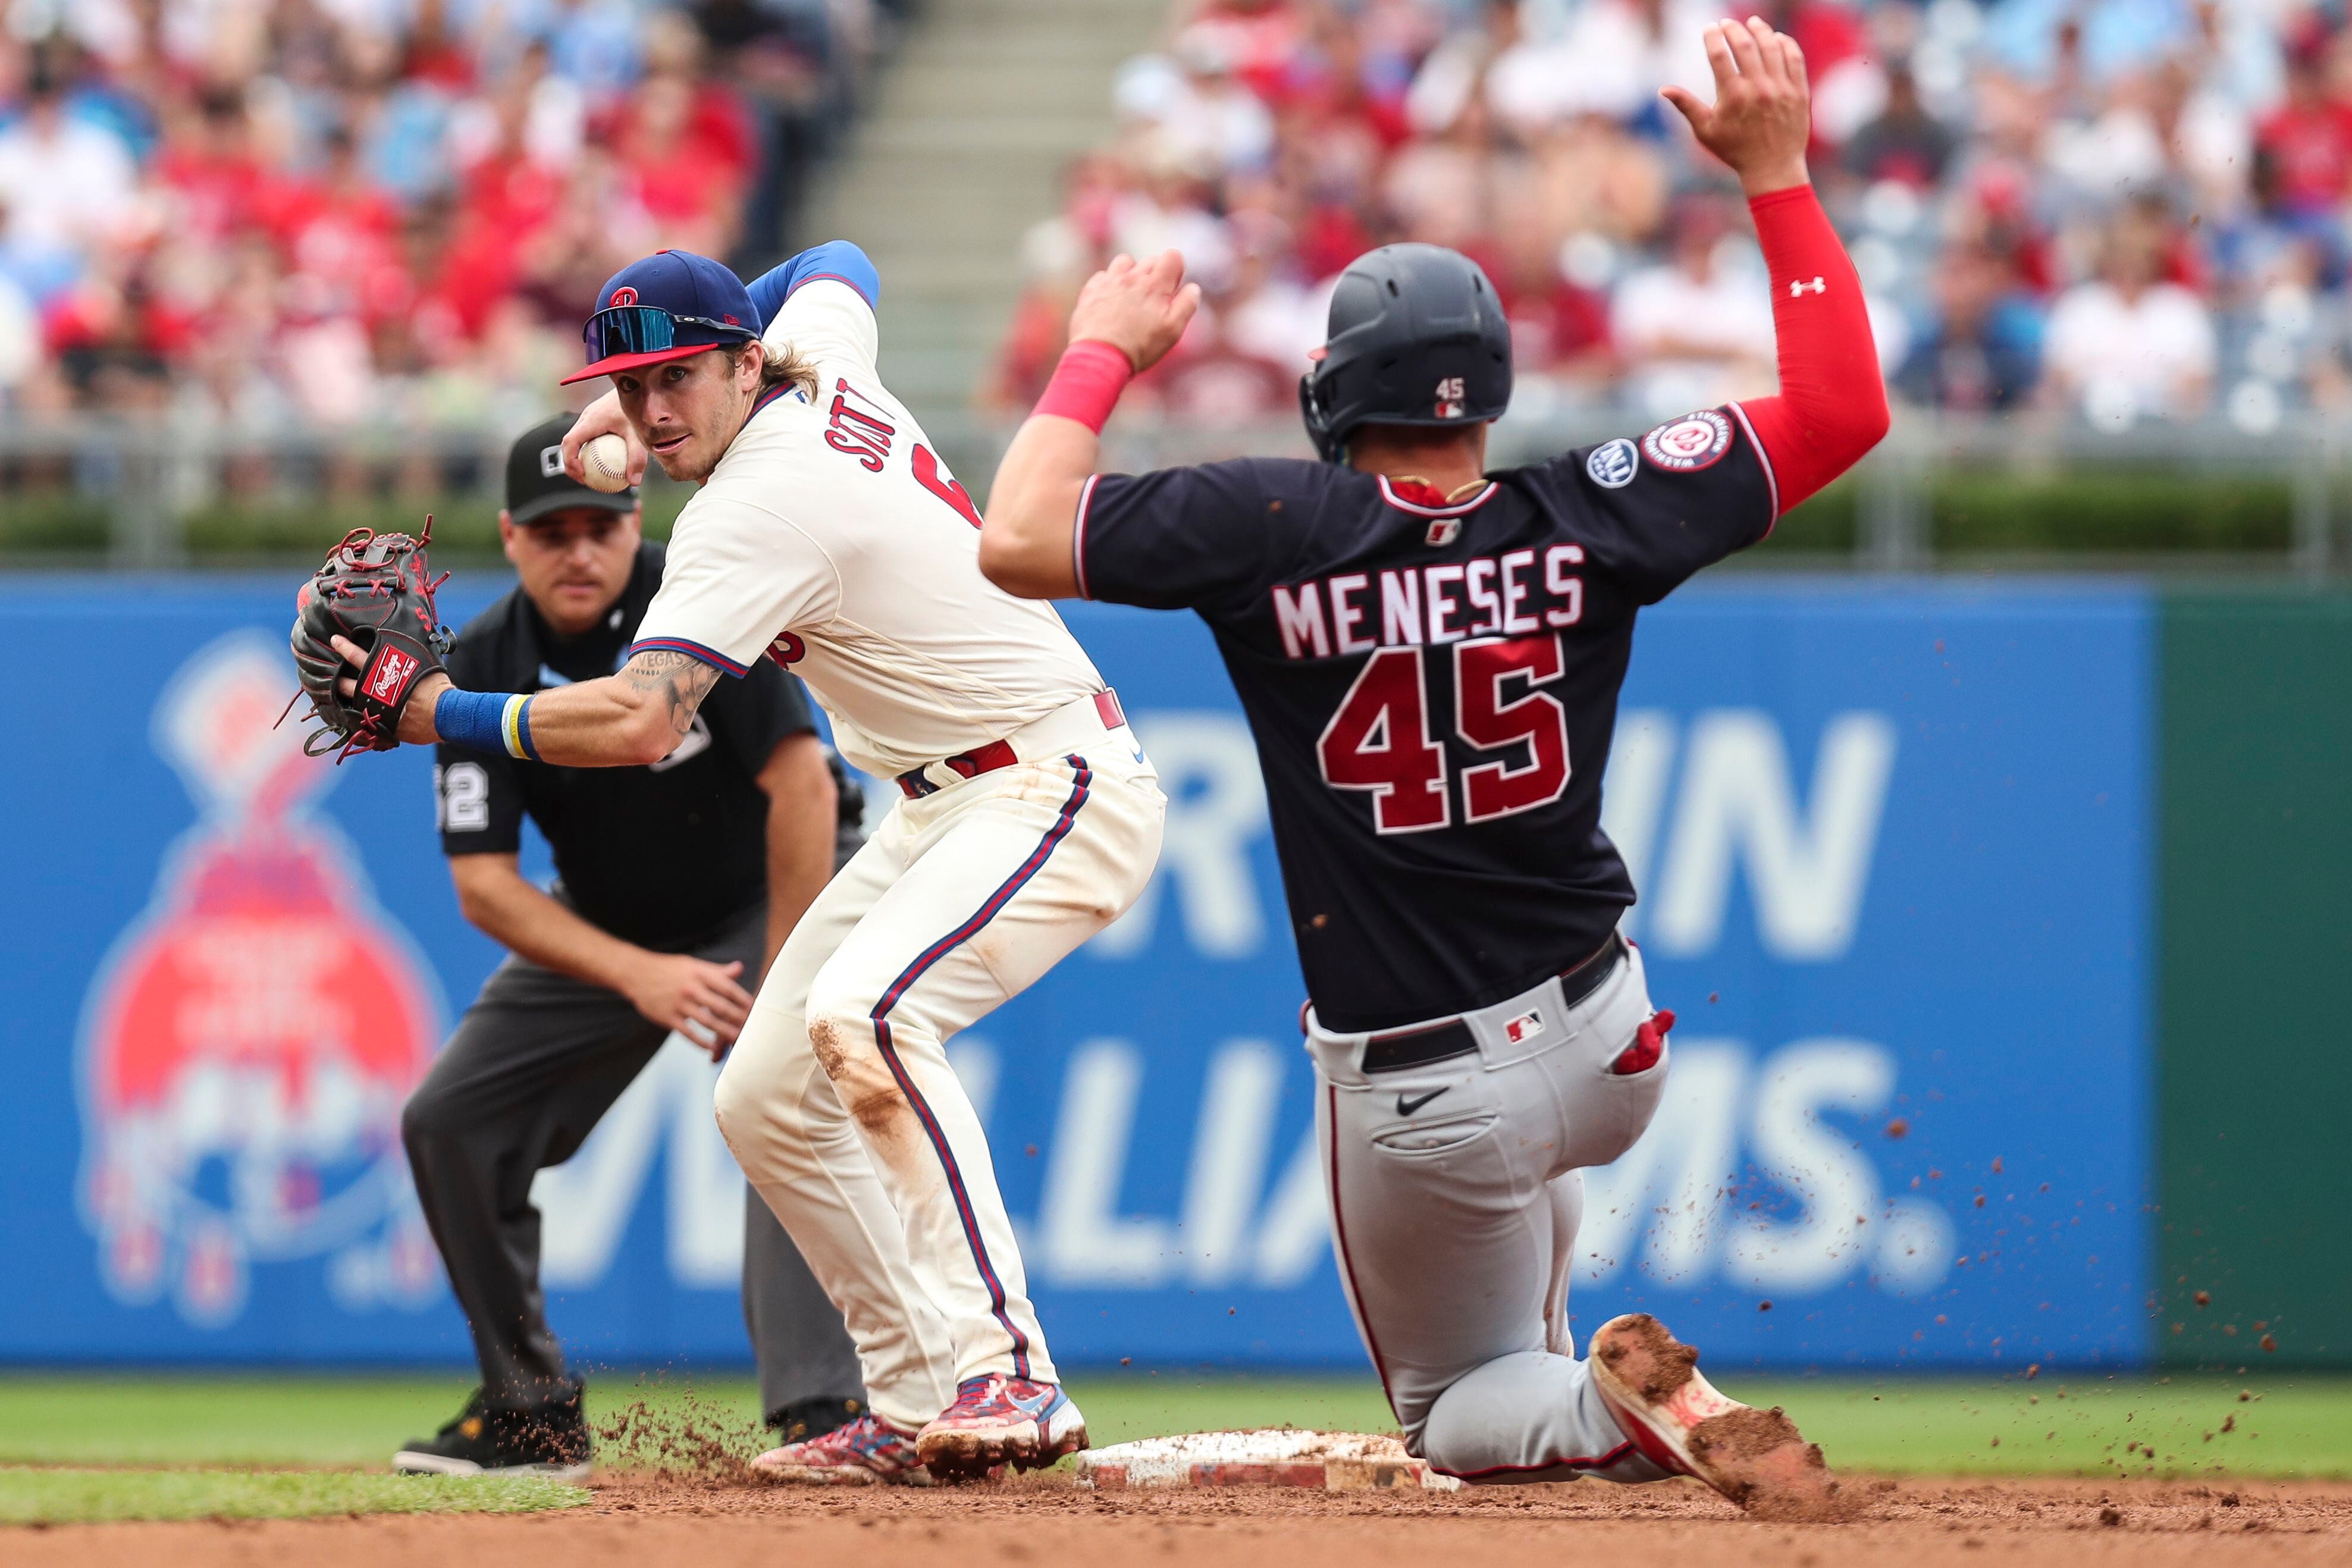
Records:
x=868, y=1451
x=998, y=1420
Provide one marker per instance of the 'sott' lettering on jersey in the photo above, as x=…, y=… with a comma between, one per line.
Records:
x=858, y=426
x=831, y=538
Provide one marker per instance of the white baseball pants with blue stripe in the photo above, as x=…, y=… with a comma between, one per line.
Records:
x=838, y=1101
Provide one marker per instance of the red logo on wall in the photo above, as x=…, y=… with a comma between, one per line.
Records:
x=247, y=1045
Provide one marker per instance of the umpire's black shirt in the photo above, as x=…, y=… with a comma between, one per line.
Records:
x=663, y=855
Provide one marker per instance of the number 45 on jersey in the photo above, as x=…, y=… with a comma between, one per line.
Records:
x=1381, y=740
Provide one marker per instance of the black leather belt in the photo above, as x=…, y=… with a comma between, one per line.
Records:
x=1404, y=1049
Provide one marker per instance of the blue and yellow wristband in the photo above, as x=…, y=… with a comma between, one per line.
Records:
x=486, y=722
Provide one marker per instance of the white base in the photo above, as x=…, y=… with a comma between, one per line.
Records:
x=1274, y=1457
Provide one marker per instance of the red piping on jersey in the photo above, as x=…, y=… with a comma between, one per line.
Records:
x=782, y=389
x=802, y=283
x=1387, y=494
x=1078, y=535
x=1764, y=461
x=710, y=656
x=1831, y=406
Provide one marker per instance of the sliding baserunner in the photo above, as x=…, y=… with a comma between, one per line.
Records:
x=1430, y=658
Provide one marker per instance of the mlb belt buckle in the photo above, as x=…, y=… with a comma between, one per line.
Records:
x=1427, y=1043
x=915, y=783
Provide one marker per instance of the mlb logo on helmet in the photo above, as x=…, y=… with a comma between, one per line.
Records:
x=246, y=1046
x=1450, y=393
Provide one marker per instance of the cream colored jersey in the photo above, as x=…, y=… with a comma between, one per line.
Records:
x=832, y=539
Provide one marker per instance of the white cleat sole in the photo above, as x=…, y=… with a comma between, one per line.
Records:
x=411, y=1462
x=1758, y=1458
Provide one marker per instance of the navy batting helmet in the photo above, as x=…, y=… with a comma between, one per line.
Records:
x=1416, y=337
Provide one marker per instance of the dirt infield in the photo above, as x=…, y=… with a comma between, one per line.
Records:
x=1046, y=1520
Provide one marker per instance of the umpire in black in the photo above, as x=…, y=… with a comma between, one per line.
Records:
x=676, y=884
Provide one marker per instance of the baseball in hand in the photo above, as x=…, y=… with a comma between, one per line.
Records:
x=604, y=462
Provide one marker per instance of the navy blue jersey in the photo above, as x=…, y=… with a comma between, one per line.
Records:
x=1432, y=687
x=661, y=856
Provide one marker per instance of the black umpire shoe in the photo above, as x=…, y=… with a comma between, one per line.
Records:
x=806, y=1418
x=549, y=1439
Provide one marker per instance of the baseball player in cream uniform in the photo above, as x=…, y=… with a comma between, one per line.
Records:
x=828, y=536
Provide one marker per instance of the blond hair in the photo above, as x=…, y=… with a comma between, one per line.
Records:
x=789, y=367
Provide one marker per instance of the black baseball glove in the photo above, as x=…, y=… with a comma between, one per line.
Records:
x=376, y=591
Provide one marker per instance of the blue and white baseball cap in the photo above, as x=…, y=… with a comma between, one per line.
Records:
x=672, y=305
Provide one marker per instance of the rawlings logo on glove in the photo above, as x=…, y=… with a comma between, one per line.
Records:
x=376, y=591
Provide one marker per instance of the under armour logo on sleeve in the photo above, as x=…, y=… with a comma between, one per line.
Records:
x=1819, y=286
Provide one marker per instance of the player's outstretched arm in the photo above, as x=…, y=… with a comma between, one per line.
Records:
x=1127, y=317
x=625, y=719
x=1831, y=407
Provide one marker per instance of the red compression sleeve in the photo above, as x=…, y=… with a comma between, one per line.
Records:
x=1086, y=384
x=1833, y=404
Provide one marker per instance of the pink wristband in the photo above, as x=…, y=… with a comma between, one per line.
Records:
x=1086, y=384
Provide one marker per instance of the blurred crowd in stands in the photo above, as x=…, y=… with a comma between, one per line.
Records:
x=272, y=212
x=2122, y=210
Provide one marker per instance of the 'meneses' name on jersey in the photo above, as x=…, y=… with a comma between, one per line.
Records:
x=1514, y=593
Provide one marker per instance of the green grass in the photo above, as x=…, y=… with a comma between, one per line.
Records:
x=93, y=1497
x=2296, y=1426
x=2299, y=1427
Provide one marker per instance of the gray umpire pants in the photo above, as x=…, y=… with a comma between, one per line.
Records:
x=533, y=1065
x=1456, y=1188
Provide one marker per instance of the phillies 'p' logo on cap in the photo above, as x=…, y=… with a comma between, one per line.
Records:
x=624, y=295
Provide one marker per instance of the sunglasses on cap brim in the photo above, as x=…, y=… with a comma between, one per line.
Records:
x=648, y=328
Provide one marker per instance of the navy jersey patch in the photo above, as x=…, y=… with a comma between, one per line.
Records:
x=1613, y=464
x=1686, y=445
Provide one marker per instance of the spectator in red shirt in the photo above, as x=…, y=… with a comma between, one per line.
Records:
x=687, y=185
x=218, y=183
x=2306, y=144
x=342, y=231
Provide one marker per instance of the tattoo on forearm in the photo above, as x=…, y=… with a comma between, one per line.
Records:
x=679, y=682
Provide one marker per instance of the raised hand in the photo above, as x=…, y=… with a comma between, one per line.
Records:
x=1140, y=307
x=1762, y=113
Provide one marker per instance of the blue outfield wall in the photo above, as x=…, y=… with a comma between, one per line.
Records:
x=1893, y=845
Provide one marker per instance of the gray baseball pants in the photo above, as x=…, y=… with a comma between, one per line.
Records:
x=533, y=1065
x=1456, y=1188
